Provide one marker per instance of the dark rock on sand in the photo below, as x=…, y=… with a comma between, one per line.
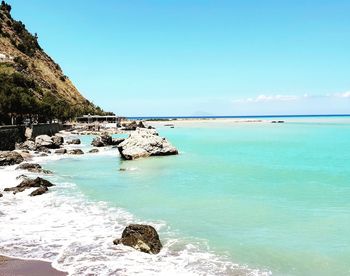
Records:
x=144, y=143
x=32, y=167
x=76, y=152
x=141, y=237
x=74, y=142
x=30, y=183
x=93, y=151
x=41, y=190
x=8, y=158
x=61, y=151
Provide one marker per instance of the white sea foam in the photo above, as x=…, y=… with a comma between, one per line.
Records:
x=76, y=235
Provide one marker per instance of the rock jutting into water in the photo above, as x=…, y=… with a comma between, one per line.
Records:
x=74, y=142
x=141, y=237
x=30, y=183
x=76, y=152
x=8, y=158
x=144, y=143
x=41, y=190
x=32, y=167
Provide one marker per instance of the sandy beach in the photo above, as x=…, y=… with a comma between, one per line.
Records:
x=18, y=267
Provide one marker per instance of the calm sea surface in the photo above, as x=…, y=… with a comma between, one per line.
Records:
x=275, y=197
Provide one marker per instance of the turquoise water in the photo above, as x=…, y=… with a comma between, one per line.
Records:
x=270, y=196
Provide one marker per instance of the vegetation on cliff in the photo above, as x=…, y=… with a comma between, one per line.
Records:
x=32, y=85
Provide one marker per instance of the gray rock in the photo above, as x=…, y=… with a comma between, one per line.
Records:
x=45, y=141
x=74, y=142
x=141, y=237
x=96, y=142
x=32, y=167
x=57, y=140
x=41, y=190
x=93, y=151
x=61, y=151
x=144, y=143
x=76, y=151
x=117, y=141
x=103, y=141
x=8, y=158
x=27, y=145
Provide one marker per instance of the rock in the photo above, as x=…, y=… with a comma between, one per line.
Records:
x=129, y=126
x=76, y=151
x=144, y=143
x=103, y=141
x=61, y=151
x=30, y=183
x=96, y=142
x=43, y=155
x=45, y=141
x=32, y=167
x=141, y=237
x=93, y=151
x=74, y=142
x=8, y=158
x=1, y=195
x=43, y=149
x=57, y=140
x=27, y=145
x=117, y=141
x=22, y=176
x=39, y=191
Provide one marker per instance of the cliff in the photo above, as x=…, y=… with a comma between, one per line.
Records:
x=31, y=83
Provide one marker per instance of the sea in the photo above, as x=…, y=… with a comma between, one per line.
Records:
x=239, y=199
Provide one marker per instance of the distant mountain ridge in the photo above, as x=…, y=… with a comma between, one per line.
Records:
x=31, y=83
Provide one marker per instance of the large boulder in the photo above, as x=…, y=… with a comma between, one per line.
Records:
x=104, y=140
x=141, y=237
x=44, y=141
x=144, y=143
x=8, y=158
x=27, y=145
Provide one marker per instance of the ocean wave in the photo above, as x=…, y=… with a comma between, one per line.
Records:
x=76, y=235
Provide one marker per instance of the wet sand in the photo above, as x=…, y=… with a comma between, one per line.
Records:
x=18, y=267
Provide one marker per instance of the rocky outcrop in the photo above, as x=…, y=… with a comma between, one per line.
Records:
x=8, y=158
x=30, y=183
x=76, y=152
x=144, y=143
x=32, y=167
x=141, y=237
x=74, y=142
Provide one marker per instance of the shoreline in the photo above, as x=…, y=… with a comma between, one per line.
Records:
x=29, y=267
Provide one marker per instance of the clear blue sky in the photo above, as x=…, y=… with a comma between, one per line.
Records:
x=197, y=57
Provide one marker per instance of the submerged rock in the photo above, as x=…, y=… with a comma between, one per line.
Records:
x=141, y=237
x=144, y=143
x=8, y=158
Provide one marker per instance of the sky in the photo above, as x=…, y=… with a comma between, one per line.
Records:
x=199, y=57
